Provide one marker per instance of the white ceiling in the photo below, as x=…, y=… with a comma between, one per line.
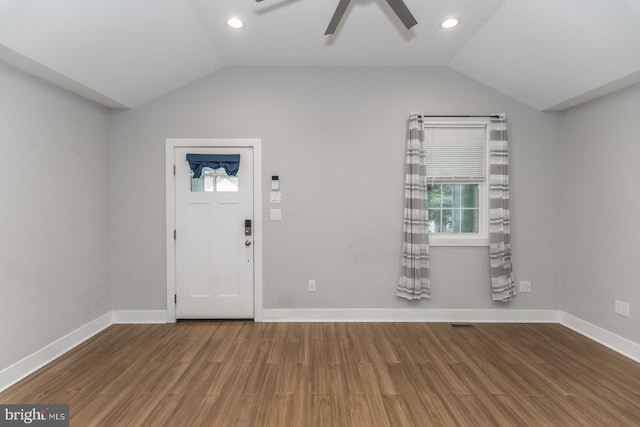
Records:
x=549, y=54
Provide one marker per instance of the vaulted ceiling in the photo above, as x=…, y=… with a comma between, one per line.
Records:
x=548, y=54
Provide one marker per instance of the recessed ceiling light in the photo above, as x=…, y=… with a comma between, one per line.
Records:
x=449, y=23
x=235, y=23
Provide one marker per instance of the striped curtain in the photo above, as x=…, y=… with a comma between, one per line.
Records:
x=502, y=285
x=414, y=281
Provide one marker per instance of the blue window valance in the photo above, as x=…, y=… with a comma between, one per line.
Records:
x=229, y=162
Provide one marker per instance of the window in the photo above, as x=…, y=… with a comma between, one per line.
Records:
x=456, y=162
x=453, y=208
x=214, y=180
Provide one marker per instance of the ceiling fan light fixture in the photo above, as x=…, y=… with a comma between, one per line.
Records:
x=449, y=23
x=235, y=23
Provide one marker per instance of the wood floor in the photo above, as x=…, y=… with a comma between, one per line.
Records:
x=339, y=374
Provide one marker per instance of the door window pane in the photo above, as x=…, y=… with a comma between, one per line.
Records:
x=214, y=181
x=226, y=183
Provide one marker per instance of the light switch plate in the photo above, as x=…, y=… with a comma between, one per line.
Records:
x=275, y=197
x=275, y=214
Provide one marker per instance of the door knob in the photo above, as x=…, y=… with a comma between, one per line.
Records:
x=247, y=242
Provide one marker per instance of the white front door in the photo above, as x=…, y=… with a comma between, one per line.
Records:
x=214, y=249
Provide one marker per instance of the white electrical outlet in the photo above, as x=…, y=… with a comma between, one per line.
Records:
x=312, y=285
x=622, y=308
x=525, y=286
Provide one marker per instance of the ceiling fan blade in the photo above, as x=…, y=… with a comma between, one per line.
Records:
x=337, y=16
x=403, y=13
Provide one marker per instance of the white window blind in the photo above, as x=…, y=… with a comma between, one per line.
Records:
x=455, y=153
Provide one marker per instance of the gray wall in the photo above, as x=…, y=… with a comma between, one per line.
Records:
x=73, y=206
x=335, y=136
x=602, y=211
x=54, y=205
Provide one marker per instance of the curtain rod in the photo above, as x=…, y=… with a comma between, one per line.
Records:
x=493, y=116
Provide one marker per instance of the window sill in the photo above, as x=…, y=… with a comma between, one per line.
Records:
x=439, y=240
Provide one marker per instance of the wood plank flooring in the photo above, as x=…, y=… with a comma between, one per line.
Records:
x=338, y=374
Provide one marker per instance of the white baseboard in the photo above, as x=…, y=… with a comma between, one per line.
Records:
x=139, y=316
x=412, y=315
x=50, y=352
x=615, y=342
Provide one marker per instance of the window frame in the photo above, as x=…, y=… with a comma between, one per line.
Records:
x=481, y=238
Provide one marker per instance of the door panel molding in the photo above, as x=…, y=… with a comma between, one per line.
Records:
x=171, y=144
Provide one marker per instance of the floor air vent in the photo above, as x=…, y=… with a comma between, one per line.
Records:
x=461, y=325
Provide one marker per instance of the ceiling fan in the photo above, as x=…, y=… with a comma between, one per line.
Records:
x=398, y=6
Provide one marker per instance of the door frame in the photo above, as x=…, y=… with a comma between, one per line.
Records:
x=170, y=147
